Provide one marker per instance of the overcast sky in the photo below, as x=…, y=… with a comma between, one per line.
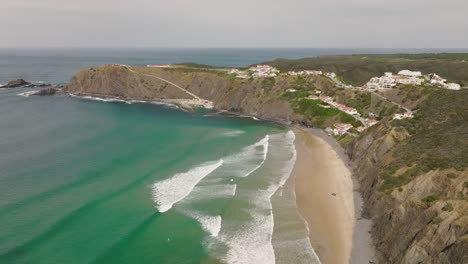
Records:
x=237, y=24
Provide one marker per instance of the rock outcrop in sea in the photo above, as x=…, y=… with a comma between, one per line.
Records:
x=15, y=84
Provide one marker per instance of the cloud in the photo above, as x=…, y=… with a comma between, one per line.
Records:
x=242, y=23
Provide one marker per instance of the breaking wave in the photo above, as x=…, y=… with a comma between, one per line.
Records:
x=170, y=191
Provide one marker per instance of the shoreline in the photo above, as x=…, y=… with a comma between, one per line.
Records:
x=328, y=199
x=326, y=231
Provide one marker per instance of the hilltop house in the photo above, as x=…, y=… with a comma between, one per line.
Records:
x=437, y=80
x=409, y=73
x=330, y=75
x=408, y=114
x=453, y=86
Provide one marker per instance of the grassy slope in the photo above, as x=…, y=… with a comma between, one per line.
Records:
x=358, y=69
x=439, y=138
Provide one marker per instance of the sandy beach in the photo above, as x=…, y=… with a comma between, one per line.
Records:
x=324, y=190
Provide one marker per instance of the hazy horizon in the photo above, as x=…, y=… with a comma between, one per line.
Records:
x=417, y=24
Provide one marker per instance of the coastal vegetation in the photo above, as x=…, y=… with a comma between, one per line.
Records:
x=358, y=69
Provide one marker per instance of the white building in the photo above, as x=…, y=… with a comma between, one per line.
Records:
x=330, y=75
x=403, y=116
x=159, y=65
x=409, y=73
x=408, y=80
x=309, y=72
x=453, y=86
x=437, y=80
x=384, y=82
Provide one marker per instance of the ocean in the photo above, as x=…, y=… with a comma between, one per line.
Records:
x=85, y=181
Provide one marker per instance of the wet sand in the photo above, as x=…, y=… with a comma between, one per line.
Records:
x=324, y=193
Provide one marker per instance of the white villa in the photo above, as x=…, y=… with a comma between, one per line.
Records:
x=437, y=80
x=408, y=114
x=330, y=75
x=409, y=73
x=453, y=86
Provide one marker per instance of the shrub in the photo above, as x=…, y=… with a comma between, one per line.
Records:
x=451, y=175
x=430, y=198
x=448, y=207
x=437, y=220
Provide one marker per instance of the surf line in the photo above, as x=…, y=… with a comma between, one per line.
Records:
x=172, y=190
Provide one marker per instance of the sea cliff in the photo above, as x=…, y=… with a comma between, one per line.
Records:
x=412, y=173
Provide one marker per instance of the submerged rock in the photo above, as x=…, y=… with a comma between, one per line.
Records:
x=46, y=91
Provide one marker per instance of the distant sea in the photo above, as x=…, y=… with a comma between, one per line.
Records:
x=59, y=65
x=85, y=181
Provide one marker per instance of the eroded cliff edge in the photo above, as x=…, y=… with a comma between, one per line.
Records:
x=413, y=173
x=261, y=98
x=414, y=182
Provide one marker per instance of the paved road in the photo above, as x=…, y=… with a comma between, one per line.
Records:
x=166, y=81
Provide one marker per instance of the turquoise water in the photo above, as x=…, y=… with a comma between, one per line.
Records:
x=91, y=182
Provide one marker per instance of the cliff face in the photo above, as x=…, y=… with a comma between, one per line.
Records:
x=412, y=173
x=262, y=98
x=414, y=182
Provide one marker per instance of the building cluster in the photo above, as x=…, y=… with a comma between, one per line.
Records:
x=258, y=71
x=338, y=129
x=329, y=100
x=304, y=73
x=405, y=115
x=407, y=77
x=388, y=80
x=264, y=71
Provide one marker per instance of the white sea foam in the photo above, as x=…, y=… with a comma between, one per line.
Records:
x=211, y=224
x=211, y=191
x=234, y=133
x=251, y=241
x=119, y=100
x=170, y=191
x=248, y=154
x=101, y=99
x=27, y=94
